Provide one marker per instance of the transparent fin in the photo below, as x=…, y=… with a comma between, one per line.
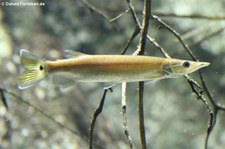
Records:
x=151, y=82
x=62, y=80
x=73, y=54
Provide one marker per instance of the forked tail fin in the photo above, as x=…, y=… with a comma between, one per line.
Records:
x=34, y=69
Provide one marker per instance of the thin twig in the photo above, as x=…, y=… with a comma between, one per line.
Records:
x=124, y=112
x=94, y=9
x=43, y=113
x=177, y=35
x=97, y=111
x=134, y=15
x=99, y=12
x=135, y=33
x=137, y=29
x=118, y=16
x=192, y=16
x=211, y=114
x=161, y=49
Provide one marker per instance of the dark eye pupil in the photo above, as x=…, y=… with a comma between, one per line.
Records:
x=41, y=67
x=186, y=64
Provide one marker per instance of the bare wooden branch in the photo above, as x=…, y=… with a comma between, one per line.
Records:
x=200, y=96
x=137, y=31
x=124, y=112
x=141, y=51
x=177, y=35
x=117, y=17
x=97, y=111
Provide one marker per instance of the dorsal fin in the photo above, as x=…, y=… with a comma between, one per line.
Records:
x=73, y=54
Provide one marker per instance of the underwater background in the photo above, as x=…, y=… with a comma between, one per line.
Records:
x=45, y=116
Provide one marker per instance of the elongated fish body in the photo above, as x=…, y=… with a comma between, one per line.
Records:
x=81, y=67
x=109, y=68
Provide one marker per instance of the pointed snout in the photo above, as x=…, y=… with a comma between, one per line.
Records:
x=203, y=64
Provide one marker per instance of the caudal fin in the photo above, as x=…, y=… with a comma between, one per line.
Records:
x=34, y=69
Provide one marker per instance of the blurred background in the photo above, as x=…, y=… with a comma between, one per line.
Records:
x=174, y=118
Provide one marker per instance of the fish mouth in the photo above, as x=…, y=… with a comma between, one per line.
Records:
x=203, y=64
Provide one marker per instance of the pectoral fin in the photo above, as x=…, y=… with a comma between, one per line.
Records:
x=167, y=69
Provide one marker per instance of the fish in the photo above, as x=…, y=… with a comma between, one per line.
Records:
x=81, y=67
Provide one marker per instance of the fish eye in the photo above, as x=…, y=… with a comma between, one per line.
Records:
x=41, y=67
x=186, y=64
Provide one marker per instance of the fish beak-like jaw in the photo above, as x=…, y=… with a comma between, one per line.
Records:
x=183, y=67
x=196, y=66
x=187, y=67
x=203, y=64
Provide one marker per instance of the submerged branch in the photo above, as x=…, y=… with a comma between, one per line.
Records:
x=141, y=51
x=177, y=35
x=124, y=112
x=97, y=111
x=192, y=16
x=199, y=93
